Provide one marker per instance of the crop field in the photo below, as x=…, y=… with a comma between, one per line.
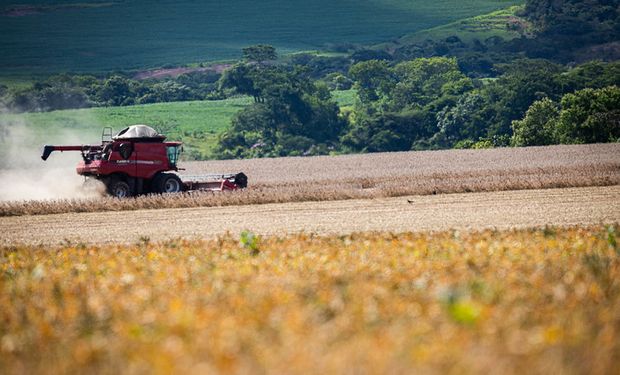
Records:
x=369, y=176
x=463, y=211
x=40, y=36
x=509, y=302
x=449, y=166
x=341, y=264
x=478, y=27
x=495, y=261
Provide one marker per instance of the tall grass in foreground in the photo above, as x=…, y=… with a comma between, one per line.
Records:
x=527, y=301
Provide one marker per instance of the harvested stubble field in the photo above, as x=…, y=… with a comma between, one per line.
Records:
x=526, y=301
x=466, y=211
x=328, y=178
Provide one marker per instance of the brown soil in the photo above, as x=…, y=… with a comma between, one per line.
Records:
x=501, y=210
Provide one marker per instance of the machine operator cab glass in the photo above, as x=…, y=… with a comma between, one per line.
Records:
x=173, y=153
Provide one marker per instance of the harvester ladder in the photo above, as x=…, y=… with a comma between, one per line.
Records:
x=106, y=135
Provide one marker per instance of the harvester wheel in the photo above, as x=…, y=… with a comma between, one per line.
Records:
x=169, y=183
x=119, y=188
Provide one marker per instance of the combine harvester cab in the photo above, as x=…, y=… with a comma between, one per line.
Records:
x=137, y=160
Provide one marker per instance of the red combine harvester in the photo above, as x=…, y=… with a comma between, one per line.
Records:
x=138, y=161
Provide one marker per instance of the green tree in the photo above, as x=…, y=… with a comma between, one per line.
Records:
x=242, y=79
x=167, y=91
x=423, y=80
x=338, y=81
x=573, y=16
x=465, y=120
x=567, y=29
x=590, y=116
x=293, y=116
x=115, y=91
x=388, y=131
x=260, y=53
x=593, y=74
x=521, y=84
x=398, y=105
x=374, y=80
x=538, y=126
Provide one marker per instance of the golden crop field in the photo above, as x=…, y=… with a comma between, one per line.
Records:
x=509, y=302
x=534, y=164
x=328, y=178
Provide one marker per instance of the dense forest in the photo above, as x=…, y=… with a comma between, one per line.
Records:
x=556, y=83
x=443, y=94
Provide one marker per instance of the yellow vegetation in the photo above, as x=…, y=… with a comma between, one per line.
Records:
x=527, y=301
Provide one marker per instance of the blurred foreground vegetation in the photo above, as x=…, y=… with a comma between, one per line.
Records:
x=536, y=301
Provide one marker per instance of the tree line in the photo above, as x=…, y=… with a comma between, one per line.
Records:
x=431, y=95
x=67, y=91
x=425, y=103
x=446, y=93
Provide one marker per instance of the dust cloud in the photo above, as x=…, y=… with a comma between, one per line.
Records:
x=25, y=176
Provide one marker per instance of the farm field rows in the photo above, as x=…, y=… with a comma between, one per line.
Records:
x=406, y=279
x=470, y=211
x=329, y=178
x=527, y=301
x=445, y=164
x=479, y=27
x=48, y=37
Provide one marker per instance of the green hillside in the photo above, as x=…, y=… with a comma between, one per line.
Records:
x=196, y=123
x=479, y=27
x=94, y=36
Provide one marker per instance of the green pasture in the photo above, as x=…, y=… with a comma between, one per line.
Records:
x=46, y=36
x=196, y=123
x=481, y=27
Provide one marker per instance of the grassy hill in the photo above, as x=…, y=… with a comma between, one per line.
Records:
x=196, y=123
x=481, y=27
x=94, y=36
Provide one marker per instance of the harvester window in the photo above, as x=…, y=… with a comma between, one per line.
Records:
x=173, y=154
